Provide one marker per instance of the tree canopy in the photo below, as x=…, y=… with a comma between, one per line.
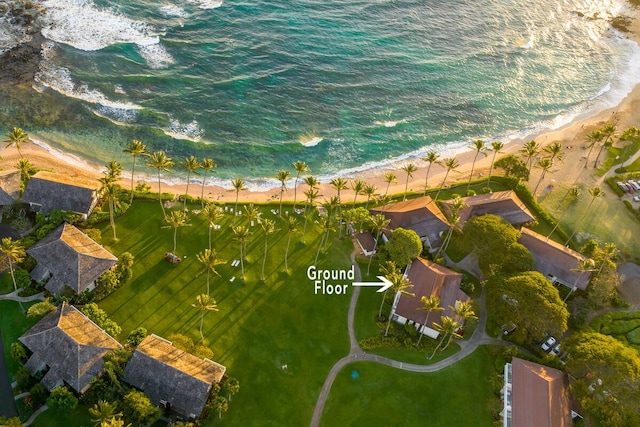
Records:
x=403, y=246
x=513, y=167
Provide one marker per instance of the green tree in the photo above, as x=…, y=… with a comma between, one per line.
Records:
x=379, y=223
x=608, y=131
x=27, y=170
x=212, y=214
x=100, y=318
x=357, y=186
x=389, y=178
x=62, y=400
x=339, y=184
x=12, y=252
x=135, y=149
x=555, y=150
x=268, y=227
x=102, y=412
x=204, y=303
x=191, y=164
x=209, y=258
x=496, y=147
x=326, y=227
x=544, y=165
x=312, y=181
x=231, y=387
x=403, y=246
x=161, y=162
x=10, y=422
x=292, y=227
x=220, y=405
x=513, y=168
x=450, y=164
x=252, y=213
x=241, y=235
x=16, y=136
x=431, y=158
x=138, y=409
x=300, y=167
x=448, y=329
x=593, y=138
x=529, y=151
x=207, y=165
x=464, y=310
x=111, y=192
x=400, y=285
x=175, y=220
x=370, y=191
x=136, y=336
x=409, y=169
x=238, y=185
x=282, y=176
x=40, y=309
x=479, y=147
x=429, y=304
x=113, y=171
x=312, y=195
x=452, y=214
x=18, y=352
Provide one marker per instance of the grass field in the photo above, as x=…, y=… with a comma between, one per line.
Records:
x=384, y=396
x=79, y=417
x=13, y=323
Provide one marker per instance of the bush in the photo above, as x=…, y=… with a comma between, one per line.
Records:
x=62, y=400
x=136, y=336
x=93, y=233
x=24, y=380
x=39, y=395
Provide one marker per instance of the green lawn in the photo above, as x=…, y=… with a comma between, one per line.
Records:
x=381, y=395
x=13, y=323
x=260, y=325
x=79, y=417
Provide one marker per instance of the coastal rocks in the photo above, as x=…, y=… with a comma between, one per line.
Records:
x=20, y=64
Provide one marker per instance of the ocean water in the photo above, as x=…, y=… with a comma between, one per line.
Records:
x=345, y=85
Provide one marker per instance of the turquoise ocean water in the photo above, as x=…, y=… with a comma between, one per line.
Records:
x=345, y=85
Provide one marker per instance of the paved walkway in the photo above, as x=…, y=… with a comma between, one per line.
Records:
x=13, y=296
x=356, y=354
x=35, y=415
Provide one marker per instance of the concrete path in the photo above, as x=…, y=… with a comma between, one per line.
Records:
x=35, y=415
x=13, y=296
x=356, y=354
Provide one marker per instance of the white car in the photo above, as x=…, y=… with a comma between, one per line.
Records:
x=556, y=350
x=636, y=198
x=546, y=346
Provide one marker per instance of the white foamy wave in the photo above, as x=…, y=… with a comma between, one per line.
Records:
x=10, y=36
x=173, y=10
x=117, y=115
x=189, y=131
x=207, y=4
x=311, y=142
x=389, y=123
x=79, y=23
x=155, y=55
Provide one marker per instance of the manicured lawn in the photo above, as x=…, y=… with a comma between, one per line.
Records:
x=79, y=417
x=385, y=396
x=13, y=323
x=260, y=326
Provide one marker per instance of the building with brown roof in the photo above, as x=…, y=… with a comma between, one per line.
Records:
x=428, y=279
x=68, y=257
x=366, y=242
x=421, y=215
x=69, y=346
x=47, y=191
x=505, y=204
x=534, y=395
x=9, y=187
x=556, y=262
x=171, y=377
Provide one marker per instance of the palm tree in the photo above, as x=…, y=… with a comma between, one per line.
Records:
x=530, y=150
x=409, y=169
x=191, y=164
x=431, y=158
x=269, y=227
x=209, y=257
x=312, y=196
x=300, y=167
x=311, y=181
x=161, y=162
x=452, y=214
x=594, y=138
x=204, y=303
x=388, y=269
x=326, y=227
x=450, y=164
x=496, y=147
x=282, y=176
x=428, y=304
x=555, y=150
x=17, y=136
x=12, y=252
x=389, y=178
x=607, y=131
x=135, y=149
x=175, y=220
x=370, y=191
x=379, y=223
x=292, y=227
x=400, y=285
x=111, y=191
x=238, y=185
x=207, y=165
x=113, y=170
x=339, y=184
x=609, y=252
x=479, y=147
x=574, y=192
x=464, y=310
x=448, y=328
x=241, y=235
x=27, y=170
x=583, y=266
x=103, y=411
x=595, y=192
x=357, y=186
x=212, y=214
x=545, y=165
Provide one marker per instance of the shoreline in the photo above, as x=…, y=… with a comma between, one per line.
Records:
x=625, y=114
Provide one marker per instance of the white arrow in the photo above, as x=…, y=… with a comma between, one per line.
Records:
x=384, y=284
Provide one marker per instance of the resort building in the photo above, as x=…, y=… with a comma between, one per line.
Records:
x=172, y=378
x=556, y=262
x=48, y=191
x=69, y=258
x=69, y=347
x=9, y=187
x=534, y=395
x=421, y=215
x=366, y=242
x=504, y=204
x=428, y=279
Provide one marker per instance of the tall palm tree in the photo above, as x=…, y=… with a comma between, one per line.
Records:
x=113, y=170
x=292, y=227
x=312, y=181
x=175, y=220
x=431, y=158
x=102, y=412
x=463, y=310
x=545, y=165
x=370, y=191
x=593, y=138
x=238, y=185
x=357, y=186
x=204, y=303
x=326, y=227
x=27, y=170
x=12, y=252
x=609, y=252
x=452, y=214
x=282, y=176
x=300, y=167
x=209, y=257
x=448, y=328
x=389, y=178
x=529, y=151
x=312, y=195
x=252, y=213
x=388, y=269
x=400, y=285
x=241, y=235
x=206, y=165
x=268, y=227
x=555, y=150
x=379, y=223
x=111, y=192
x=479, y=147
x=496, y=147
x=161, y=162
x=212, y=214
x=583, y=266
x=17, y=136
x=135, y=149
x=573, y=193
x=339, y=184
x=607, y=131
x=429, y=304
x=191, y=164
x=595, y=192
x=450, y=163
x=409, y=169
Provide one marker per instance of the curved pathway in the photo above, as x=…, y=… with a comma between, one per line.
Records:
x=13, y=296
x=357, y=354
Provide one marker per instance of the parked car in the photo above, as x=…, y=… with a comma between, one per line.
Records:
x=636, y=198
x=622, y=186
x=546, y=346
x=630, y=187
x=635, y=185
x=556, y=350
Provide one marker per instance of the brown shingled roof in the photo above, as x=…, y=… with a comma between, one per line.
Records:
x=505, y=204
x=55, y=191
x=9, y=186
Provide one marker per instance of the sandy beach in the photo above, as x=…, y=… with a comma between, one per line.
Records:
x=571, y=136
